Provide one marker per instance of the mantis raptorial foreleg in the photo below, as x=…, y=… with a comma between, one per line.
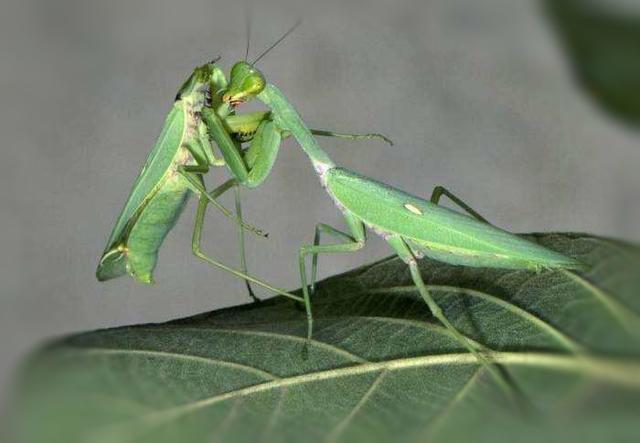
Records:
x=203, y=138
x=439, y=191
x=197, y=248
x=242, y=124
x=262, y=153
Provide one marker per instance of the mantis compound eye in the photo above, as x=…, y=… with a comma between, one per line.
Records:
x=246, y=82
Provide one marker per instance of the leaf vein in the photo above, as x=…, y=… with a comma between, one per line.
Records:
x=339, y=429
x=163, y=354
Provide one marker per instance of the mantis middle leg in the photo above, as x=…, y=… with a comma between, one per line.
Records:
x=330, y=230
x=212, y=197
x=353, y=242
x=197, y=248
x=193, y=177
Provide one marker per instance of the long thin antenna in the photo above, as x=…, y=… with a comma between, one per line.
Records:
x=266, y=51
x=248, y=16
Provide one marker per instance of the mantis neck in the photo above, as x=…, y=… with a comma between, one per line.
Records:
x=288, y=119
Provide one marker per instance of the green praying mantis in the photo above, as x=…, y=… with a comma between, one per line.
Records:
x=203, y=116
x=199, y=119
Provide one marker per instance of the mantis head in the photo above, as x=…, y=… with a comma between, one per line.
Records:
x=245, y=83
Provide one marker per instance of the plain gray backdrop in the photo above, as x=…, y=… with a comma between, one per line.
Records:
x=477, y=96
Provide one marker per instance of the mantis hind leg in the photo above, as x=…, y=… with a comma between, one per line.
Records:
x=439, y=191
x=354, y=242
x=197, y=248
x=408, y=256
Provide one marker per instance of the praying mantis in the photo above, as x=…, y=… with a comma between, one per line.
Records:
x=174, y=169
x=204, y=115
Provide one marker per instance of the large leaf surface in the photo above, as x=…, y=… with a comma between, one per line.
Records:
x=379, y=369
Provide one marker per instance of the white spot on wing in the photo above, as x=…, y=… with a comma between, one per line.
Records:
x=413, y=209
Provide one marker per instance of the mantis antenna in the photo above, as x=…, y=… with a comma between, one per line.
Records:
x=248, y=18
x=285, y=35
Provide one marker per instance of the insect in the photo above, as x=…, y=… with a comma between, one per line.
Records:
x=228, y=131
x=172, y=170
x=412, y=226
x=175, y=168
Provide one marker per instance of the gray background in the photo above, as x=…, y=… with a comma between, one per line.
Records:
x=476, y=94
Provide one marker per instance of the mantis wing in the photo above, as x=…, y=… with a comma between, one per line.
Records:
x=436, y=231
x=113, y=263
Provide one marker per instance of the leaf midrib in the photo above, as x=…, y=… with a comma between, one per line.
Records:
x=616, y=371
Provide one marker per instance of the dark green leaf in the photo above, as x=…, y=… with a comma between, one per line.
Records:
x=603, y=44
x=379, y=368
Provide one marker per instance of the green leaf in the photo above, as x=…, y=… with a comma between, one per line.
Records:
x=603, y=44
x=379, y=368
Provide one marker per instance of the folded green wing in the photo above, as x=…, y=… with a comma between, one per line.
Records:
x=155, y=166
x=445, y=234
x=113, y=262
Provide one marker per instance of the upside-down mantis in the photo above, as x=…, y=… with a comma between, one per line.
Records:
x=412, y=226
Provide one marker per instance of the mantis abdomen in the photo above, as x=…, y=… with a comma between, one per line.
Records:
x=436, y=231
x=151, y=228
